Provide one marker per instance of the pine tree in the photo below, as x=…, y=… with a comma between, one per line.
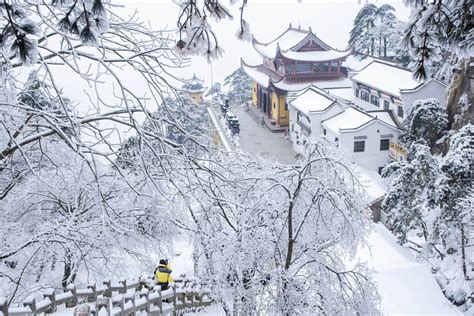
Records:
x=425, y=121
x=240, y=86
x=405, y=200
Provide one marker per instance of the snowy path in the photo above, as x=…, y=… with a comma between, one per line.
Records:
x=406, y=286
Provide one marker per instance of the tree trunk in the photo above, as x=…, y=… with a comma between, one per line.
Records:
x=384, y=47
x=463, y=252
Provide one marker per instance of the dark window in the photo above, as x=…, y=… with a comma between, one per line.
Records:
x=386, y=105
x=274, y=105
x=334, y=66
x=380, y=170
x=336, y=140
x=292, y=127
x=374, y=100
x=400, y=111
x=364, y=95
x=357, y=92
x=359, y=146
x=286, y=106
x=303, y=68
x=290, y=68
x=324, y=131
x=384, y=144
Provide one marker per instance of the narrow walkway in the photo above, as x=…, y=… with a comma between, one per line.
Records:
x=258, y=140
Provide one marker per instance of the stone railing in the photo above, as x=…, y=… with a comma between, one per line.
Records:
x=122, y=298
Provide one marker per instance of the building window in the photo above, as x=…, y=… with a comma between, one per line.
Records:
x=364, y=95
x=357, y=93
x=380, y=170
x=359, y=146
x=292, y=127
x=400, y=111
x=324, y=131
x=374, y=100
x=384, y=144
x=286, y=106
x=290, y=68
x=274, y=105
x=336, y=141
x=386, y=105
x=334, y=66
x=303, y=68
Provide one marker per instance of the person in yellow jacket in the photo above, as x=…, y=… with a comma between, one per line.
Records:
x=163, y=274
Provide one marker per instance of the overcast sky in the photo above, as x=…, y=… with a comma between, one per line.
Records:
x=330, y=20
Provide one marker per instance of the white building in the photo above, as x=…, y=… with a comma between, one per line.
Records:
x=364, y=136
x=385, y=86
x=308, y=108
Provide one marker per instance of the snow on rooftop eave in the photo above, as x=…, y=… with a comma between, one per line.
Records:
x=248, y=70
x=397, y=91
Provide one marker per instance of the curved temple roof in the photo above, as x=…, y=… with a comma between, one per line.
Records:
x=194, y=85
x=289, y=43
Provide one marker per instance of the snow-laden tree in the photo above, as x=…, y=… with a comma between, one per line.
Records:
x=214, y=90
x=430, y=199
x=275, y=239
x=240, y=86
x=435, y=26
x=405, y=202
x=425, y=121
x=376, y=32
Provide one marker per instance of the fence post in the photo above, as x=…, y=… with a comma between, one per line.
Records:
x=160, y=302
x=117, y=301
x=73, y=301
x=175, y=305
x=102, y=302
x=3, y=306
x=130, y=298
x=31, y=303
x=144, y=293
x=108, y=290
x=123, y=290
x=92, y=298
x=51, y=294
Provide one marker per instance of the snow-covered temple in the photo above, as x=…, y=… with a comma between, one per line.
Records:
x=194, y=89
x=293, y=61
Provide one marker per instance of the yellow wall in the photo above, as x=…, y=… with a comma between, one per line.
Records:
x=279, y=114
x=196, y=97
x=254, y=93
x=284, y=114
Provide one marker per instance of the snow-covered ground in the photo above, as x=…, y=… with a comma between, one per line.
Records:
x=405, y=285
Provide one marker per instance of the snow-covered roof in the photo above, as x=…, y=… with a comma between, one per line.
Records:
x=291, y=41
x=386, y=77
x=355, y=63
x=194, y=85
x=386, y=117
x=345, y=94
x=315, y=55
x=323, y=84
x=421, y=85
x=312, y=100
x=287, y=40
x=256, y=74
x=348, y=120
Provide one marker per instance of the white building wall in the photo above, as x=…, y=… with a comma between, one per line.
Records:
x=432, y=89
x=372, y=158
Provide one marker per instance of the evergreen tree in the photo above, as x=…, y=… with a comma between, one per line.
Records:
x=425, y=121
x=405, y=200
x=359, y=37
x=240, y=86
x=437, y=25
